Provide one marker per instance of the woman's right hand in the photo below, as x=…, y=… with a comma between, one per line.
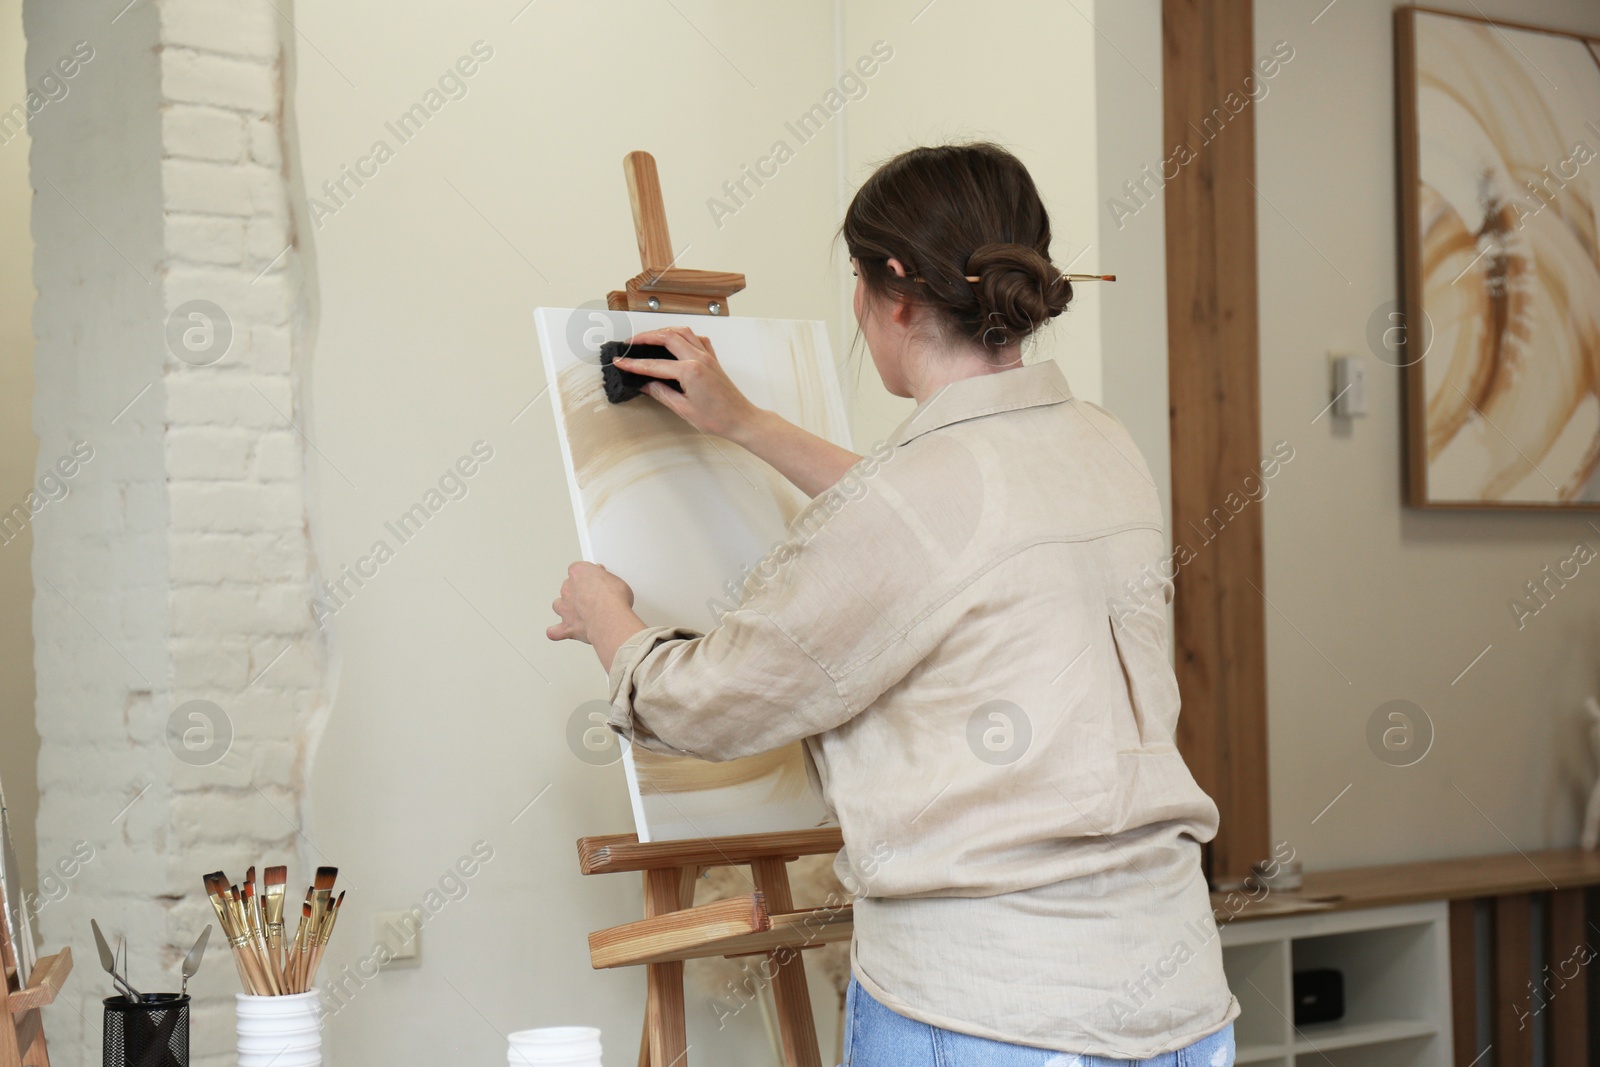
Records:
x=710, y=401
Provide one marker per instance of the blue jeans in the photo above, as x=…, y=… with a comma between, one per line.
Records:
x=874, y=1036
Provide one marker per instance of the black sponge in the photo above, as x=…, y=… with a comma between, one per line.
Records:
x=624, y=385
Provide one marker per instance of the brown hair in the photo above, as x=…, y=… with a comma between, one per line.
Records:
x=950, y=211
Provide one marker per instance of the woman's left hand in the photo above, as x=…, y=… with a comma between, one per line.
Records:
x=592, y=599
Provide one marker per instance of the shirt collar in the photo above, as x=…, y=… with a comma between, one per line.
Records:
x=986, y=394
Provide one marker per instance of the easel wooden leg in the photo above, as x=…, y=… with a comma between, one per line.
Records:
x=30, y=1032
x=666, y=1031
x=10, y=1052
x=23, y=1046
x=789, y=989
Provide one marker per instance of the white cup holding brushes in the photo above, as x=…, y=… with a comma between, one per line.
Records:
x=279, y=1016
x=282, y=1031
x=569, y=1046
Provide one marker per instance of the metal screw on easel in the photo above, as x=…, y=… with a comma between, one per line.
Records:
x=653, y=304
x=714, y=308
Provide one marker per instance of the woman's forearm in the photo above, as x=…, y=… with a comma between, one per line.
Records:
x=812, y=463
x=611, y=631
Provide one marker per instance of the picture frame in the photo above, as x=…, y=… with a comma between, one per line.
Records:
x=1499, y=171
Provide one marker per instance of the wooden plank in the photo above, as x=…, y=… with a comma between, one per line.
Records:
x=1566, y=957
x=49, y=974
x=668, y=1029
x=1513, y=969
x=649, y=211
x=1213, y=352
x=668, y=303
x=1410, y=883
x=623, y=852
x=716, y=283
x=1464, y=981
x=797, y=929
x=795, y=1024
x=671, y=936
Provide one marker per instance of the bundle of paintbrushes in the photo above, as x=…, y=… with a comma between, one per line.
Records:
x=270, y=964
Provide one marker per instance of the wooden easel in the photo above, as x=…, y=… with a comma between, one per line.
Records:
x=662, y=285
x=22, y=1041
x=673, y=930
x=764, y=922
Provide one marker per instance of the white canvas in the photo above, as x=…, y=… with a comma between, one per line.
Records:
x=678, y=515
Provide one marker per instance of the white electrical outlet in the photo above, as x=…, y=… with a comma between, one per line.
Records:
x=1349, y=385
x=401, y=932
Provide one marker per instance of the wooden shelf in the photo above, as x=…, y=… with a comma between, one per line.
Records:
x=1466, y=878
x=49, y=975
x=624, y=852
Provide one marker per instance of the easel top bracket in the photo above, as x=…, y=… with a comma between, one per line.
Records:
x=661, y=286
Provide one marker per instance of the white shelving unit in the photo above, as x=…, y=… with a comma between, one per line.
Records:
x=1396, y=966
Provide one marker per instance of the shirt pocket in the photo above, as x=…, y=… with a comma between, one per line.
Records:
x=1140, y=642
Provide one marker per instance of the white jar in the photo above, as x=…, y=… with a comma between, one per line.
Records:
x=566, y=1046
x=280, y=1031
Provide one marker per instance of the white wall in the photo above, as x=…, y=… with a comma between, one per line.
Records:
x=1021, y=74
x=451, y=708
x=18, y=445
x=1133, y=310
x=1400, y=601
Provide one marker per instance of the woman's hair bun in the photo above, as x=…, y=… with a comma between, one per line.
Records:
x=1018, y=291
x=949, y=212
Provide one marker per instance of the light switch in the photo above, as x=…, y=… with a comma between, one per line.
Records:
x=1349, y=385
x=401, y=931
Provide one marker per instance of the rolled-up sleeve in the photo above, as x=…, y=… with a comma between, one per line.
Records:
x=743, y=688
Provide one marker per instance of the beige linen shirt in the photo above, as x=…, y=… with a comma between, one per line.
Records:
x=969, y=632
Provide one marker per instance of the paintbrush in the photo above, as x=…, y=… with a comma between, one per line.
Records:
x=322, y=941
x=291, y=962
x=321, y=900
x=217, y=890
x=258, y=939
x=302, y=939
x=272, y=908
x=1068, y=277
x=247, y=944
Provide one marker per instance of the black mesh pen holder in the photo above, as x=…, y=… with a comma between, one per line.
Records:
x=151, y=1032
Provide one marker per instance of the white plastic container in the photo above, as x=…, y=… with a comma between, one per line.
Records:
x=279, y=1031
x=553, y=1046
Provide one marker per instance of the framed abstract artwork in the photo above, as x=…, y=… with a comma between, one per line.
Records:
x=682, y=516
x=1499, y=328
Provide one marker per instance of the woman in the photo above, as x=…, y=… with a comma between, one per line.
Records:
x=968, y=629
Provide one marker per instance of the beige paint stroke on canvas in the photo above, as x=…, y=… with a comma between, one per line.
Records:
x=1511, y=278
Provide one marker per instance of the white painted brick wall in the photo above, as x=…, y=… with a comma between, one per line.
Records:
x=179, y=568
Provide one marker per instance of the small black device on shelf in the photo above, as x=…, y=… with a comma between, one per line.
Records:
x=1318, y=996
